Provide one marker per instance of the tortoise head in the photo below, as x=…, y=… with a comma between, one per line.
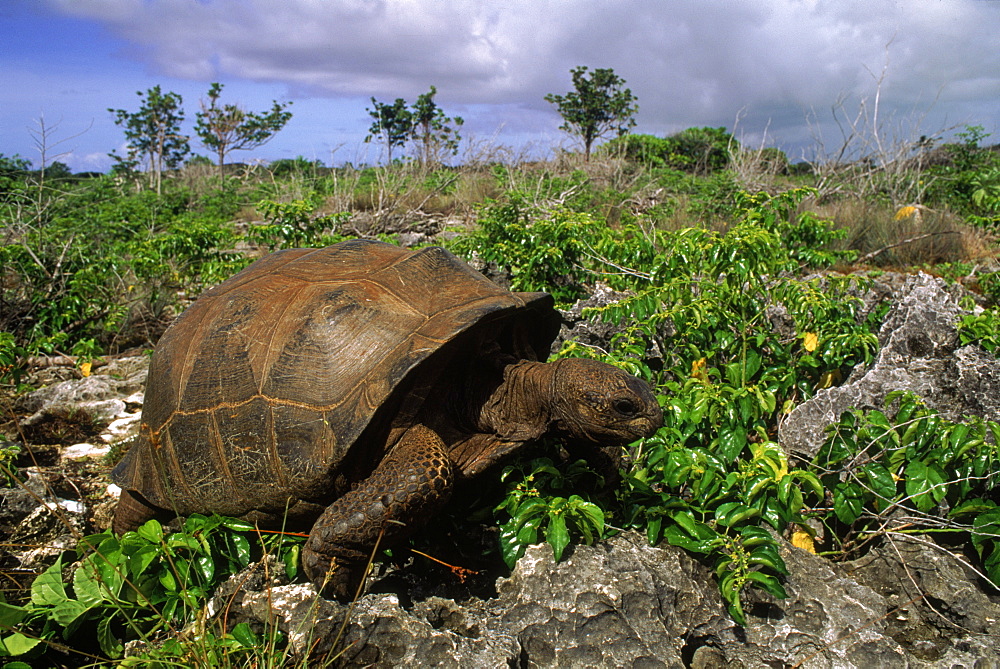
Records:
x=599, y=404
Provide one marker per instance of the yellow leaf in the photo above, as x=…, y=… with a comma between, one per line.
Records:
x=829, y=379
x=809, y=341
x=85, y=368
x=803, y=540
x=698, y=369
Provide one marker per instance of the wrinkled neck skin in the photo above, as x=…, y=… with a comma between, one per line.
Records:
x=501, y=416
x=520, y=408
x=498, y=416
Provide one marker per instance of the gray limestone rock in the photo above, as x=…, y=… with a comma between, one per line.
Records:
x=92, y=402
x=918, y=352
x=623, y=603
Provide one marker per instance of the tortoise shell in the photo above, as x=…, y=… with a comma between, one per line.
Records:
x=265, y=392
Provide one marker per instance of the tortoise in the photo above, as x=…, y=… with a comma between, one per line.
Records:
x=347, y=389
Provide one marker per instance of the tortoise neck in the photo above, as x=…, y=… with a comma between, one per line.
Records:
x=520, y=408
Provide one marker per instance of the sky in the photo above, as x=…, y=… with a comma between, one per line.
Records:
x=771, y=71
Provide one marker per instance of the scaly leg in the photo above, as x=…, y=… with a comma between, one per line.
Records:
x=410, y=485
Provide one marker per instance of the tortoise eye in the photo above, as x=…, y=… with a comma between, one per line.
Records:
x=626, y=407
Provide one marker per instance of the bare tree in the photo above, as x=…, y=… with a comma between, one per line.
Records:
x=877, y=154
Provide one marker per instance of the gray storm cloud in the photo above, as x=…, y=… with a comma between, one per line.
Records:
x=688, y=61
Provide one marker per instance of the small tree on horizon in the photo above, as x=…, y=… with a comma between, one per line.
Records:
x=393, y=124
x=424, y=122
x=154, y=131
x=226, y=128
x=599, y=106
x=431, y=129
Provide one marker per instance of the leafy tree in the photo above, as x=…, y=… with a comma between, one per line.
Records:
x=13, y=170
x=153, y=132
x=600, y=105
x=225, y=128
x=393, y=123
x=425, y=123
x=58, y=170
x=431, y=129
x=702, y=150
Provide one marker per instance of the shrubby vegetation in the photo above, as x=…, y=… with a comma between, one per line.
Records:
x=734, y=312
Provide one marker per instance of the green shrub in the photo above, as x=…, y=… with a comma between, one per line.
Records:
x=982, y=329
x=533, y=506
x=711, y=480
x=556, y=251
x=144, y=585
x=695, y=150
x=908, y=460
x=292, y=225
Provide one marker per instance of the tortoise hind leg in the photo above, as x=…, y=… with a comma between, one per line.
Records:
x=410, y=485
x=132, y=511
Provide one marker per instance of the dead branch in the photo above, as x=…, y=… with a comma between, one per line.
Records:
x=869, y=256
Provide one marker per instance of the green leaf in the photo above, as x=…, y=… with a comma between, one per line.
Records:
x=291, y=559
x=151, y=531
x=245, y=635
x=880, y=481
x=557, y=535
x=531, y=507
x=811, y=480
x=848, y=501
x=241, y=546
x=878, y=418
x=87, y=583
x=986, y=529
x=731, y=594
x=48, y=588
x=686, y=521
x=68, y=611
x=527, y=533
x=767, y=555
x=653, y=526
x=972, y=506
x=110, y=644
x=734, y=513
x=768, y=583
x=757, y=484
x=675, y=536
x=754, y=536
x=924, y=484
x=167, y=580
x=142, y=558
x=753, y=364
x=732, y=440
x=205, y=567
x=11, y=615
x=18, y=644
x=593, y=515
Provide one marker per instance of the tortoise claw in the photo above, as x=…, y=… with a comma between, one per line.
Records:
x=333, y=578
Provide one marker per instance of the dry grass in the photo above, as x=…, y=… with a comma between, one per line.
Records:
x=924, y=237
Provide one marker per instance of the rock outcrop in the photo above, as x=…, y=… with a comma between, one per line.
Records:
x=623, y=603
x=918, y=351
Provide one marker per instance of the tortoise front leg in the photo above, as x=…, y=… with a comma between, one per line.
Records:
x=410, y=485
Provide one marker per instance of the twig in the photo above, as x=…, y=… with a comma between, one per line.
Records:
x=869, y=256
